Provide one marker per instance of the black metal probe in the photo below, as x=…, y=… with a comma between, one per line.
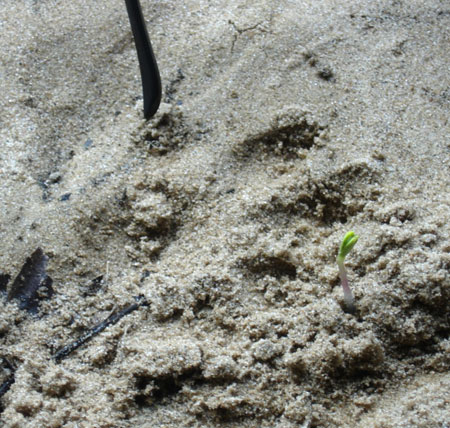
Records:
x=151, y=80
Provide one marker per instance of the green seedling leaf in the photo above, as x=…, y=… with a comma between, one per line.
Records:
x=349, y=241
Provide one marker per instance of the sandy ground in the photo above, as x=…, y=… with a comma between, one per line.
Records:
x=284, y=125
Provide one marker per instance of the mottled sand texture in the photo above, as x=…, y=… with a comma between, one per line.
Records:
x=284, y=124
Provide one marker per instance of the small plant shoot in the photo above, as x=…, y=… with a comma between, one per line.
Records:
x=347, y=244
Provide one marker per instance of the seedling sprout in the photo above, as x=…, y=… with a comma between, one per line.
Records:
x=347, y=244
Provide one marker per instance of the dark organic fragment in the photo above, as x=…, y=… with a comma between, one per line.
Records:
x=4, y=387
x=112, y=319
x=32, y=284
x=94, y=286
x=4, y=279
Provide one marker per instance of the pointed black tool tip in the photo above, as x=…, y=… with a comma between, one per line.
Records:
x=151, y=81
x=152, y=106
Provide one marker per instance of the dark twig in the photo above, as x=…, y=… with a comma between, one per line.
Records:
x=151, y=81
x=112, y=319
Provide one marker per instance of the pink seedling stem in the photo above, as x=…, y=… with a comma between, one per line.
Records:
x=347, y=244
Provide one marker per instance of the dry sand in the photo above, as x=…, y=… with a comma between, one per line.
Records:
x=284, y=125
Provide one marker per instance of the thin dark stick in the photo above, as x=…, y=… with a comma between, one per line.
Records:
x=112, y=319
x=151, y=81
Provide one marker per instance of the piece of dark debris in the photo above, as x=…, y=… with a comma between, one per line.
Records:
x=4, y=279
x=4, y=387
x=111, y=320
x=32, y=284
